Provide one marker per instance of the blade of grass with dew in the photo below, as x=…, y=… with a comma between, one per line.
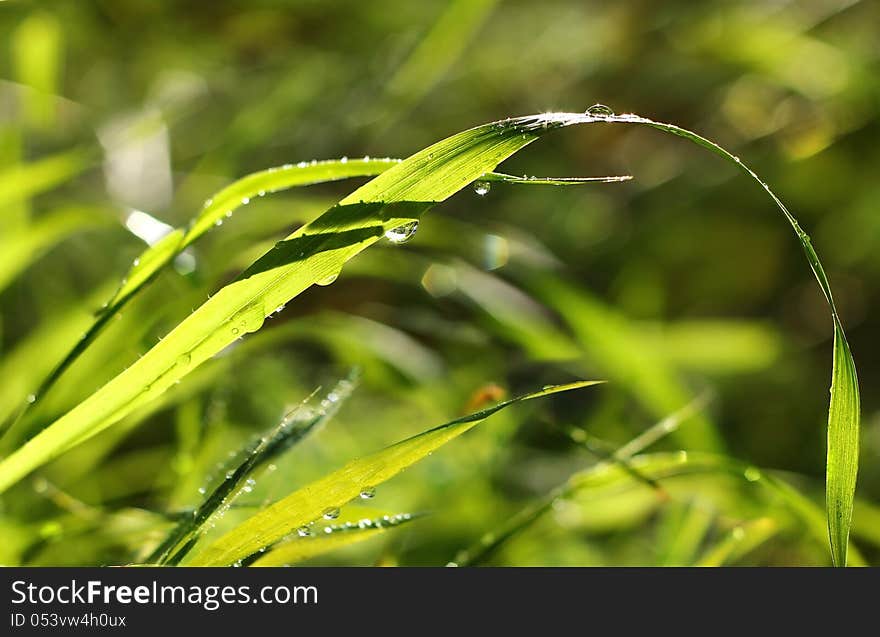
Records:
x=330, y=538
x=316, y=253
x=340, y=487
x=844, y=410
x=291, y=430
x=313, y=254
x=164, y=250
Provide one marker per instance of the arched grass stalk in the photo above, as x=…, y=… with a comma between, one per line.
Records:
x=316, y=253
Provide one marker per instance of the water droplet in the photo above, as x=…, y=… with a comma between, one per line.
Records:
x=331, y=513
x=202, y=490
x=327, y=280
x=344, y=160
x=366, y=523
x=600, y=110
x=328, y=530
x=482, y=188
x=304, y=531
x=229, y=474
x=402, y=234
x=219, y=222
x=136, y=262
x=245, y=200
x=235, y=330
x=368, y=493
x=752, y=474
x=32, y=398
x=184, y=360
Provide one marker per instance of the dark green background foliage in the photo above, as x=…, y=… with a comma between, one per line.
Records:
x=683, y=282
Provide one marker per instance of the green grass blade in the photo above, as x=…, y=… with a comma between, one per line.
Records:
x=844, y=411
x=159, y=255
x=316, y=253
x=293, y=428
x=340, y=487
x=330, y=538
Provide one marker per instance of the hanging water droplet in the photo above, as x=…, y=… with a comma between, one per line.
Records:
x=327, y=280
x=304, y=531
x=402, y=234
x=367, y=493
x=366, y=523
x=482, y=188
x=331, y=513
x=600, y=110
x=245, y=200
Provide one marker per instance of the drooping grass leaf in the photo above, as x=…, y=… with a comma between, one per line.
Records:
x=397, y=198
x=340, y=487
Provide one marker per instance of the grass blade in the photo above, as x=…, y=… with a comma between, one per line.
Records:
x=338, y=488
x=400, y=195
x=331, y=537
x=293, y=428
x=163, y=252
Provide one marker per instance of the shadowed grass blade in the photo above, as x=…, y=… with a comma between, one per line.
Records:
x=340, y=487
x=295, y=426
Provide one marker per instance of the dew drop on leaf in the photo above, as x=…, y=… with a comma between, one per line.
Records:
x=402, y=234
x=600, y=110
x=331, y=514
x=482, y=188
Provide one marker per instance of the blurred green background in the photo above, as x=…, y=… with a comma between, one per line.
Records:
x=683, y=281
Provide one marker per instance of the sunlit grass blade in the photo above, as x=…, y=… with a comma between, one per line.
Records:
x=844, y=410
x=340, y=487
x=293, y=428
x=398, y=197
x=163, y=252
x=552, y=181
x=329, y=538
